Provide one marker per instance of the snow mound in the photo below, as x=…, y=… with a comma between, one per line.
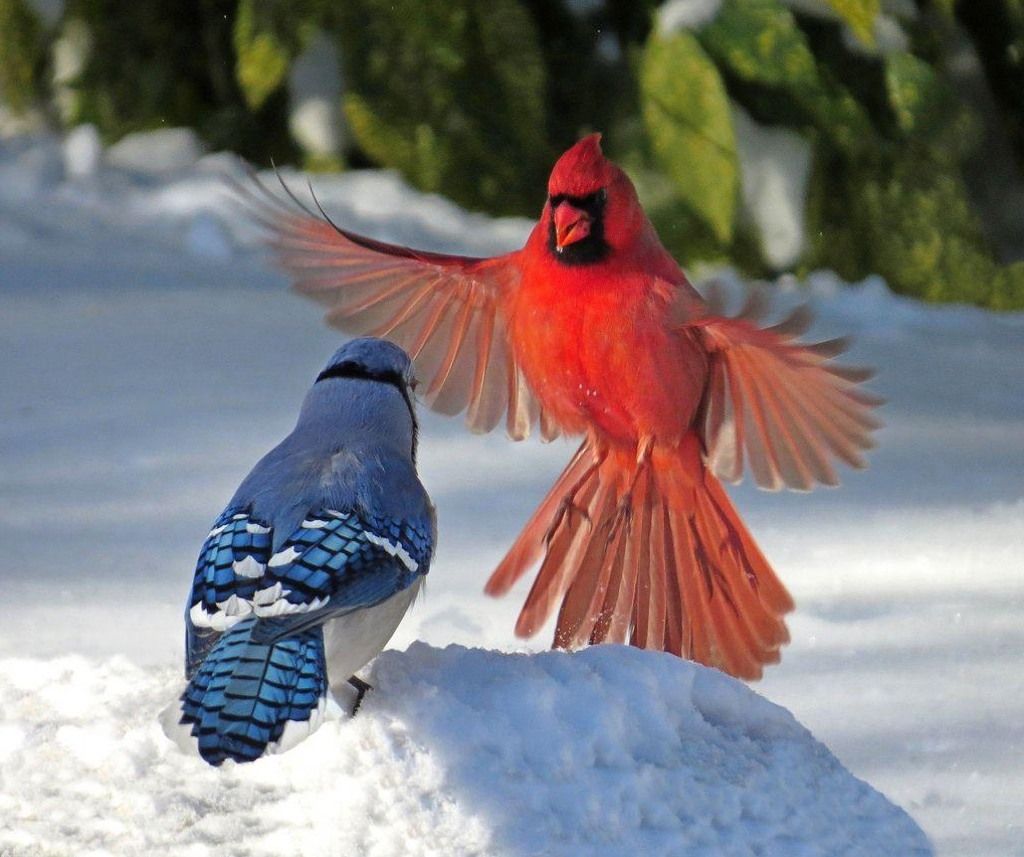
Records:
x=457, y=752
x=160, y=151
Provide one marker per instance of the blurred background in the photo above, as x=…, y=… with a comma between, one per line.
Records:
x=863, y=136
x=867, y=156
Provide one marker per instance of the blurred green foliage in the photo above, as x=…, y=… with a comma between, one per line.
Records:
x=909, y=221
x=452, y=94
x=475, y=99
x=263, y=50
x=686, y=113
x=22, y=54
x=860, y=15
x=150, y=65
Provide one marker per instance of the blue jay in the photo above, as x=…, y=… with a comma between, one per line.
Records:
x=313, y=563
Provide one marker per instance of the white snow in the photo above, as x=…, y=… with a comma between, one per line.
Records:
x=166, y=150
x=890, y=37
x=315, y=91
x=456, y=752
x=83, y=151
x=137, y=388
x=675, y=15
x=49, y=11
x=775, y=164
x=582, y=8
x=70, y=54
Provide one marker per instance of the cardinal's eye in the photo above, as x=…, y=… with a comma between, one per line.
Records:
x=602, y=196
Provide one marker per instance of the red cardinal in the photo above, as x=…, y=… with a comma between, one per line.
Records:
x=593, y=329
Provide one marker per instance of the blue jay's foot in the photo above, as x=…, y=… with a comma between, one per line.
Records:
x=361, y=688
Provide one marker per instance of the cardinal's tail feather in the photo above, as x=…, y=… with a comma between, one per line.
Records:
x=657, y=556
x=530, y=544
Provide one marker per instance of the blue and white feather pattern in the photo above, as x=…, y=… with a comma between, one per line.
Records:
x=308, y=572
x=231, y=561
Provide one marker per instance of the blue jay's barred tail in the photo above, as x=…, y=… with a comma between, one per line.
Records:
x=250, y=698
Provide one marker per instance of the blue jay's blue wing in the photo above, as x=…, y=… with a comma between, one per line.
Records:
x=328, y=553
x=336, y=562
x=256, y=655
x=231, y=563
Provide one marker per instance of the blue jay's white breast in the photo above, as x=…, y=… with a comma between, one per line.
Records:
x=353, y=640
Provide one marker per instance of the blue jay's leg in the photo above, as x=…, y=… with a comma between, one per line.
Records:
x=251, y=697
x=361, y=688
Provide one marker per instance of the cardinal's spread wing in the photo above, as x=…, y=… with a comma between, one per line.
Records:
x=780, y=404
x=446, y=311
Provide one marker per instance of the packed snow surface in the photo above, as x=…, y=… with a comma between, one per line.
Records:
x=151, y=356
x=457, y=752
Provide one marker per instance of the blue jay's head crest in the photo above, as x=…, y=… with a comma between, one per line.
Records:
x=376, y=360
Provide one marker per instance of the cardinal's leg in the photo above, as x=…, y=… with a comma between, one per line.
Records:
x=568, y=503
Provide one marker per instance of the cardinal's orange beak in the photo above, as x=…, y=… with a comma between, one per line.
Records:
x=571, y=225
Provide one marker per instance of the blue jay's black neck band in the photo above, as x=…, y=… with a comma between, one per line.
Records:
x=347, y=369
x=358, y=372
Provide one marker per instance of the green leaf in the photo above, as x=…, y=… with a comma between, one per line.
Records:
x=759, y=41
x=915, y=92
x=859, y=16
x=686, y=113
x=262, y=56
x=418, y=154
